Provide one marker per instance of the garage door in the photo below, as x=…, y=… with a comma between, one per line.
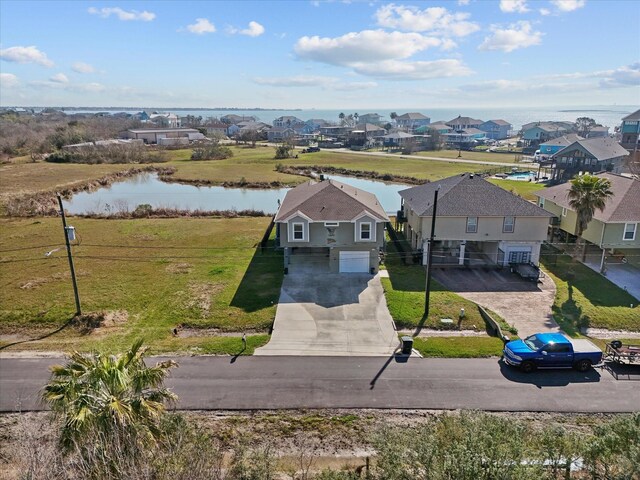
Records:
x=354, y=262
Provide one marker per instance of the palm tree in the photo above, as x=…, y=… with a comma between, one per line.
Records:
x=108, y=395
x=355, y=116
x=588, y=193
x=341, y=117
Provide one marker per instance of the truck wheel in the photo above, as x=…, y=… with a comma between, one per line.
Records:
x=583, y=365
x=527, y=367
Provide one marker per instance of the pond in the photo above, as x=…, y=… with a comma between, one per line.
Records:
x=147, y=188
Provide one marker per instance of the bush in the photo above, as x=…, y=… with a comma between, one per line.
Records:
x=283, y=151
x=125, y=153
x=211, y=152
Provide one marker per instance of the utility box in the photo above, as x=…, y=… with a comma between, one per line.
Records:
x=407, y=345
x=71, y=233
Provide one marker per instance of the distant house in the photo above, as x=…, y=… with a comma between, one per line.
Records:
x=164, y=136
x=367, y=130
x=596, y=132
x=411, y=121
x=335, y=131
x=550, y=147
x=463, y=123
x=630, y=131
x=167, y=120
x=334, y=225
x=439, y=127
x=477, y=223
x=216, y=127
x=592, y=155
x=397, y=139
x=232, y=118
x=533, y=134
x=615, y=230
x=232, y=130
x=465, y=138
x=496, y=129
x=287, y=121
x=280, y=134
x=373, y=118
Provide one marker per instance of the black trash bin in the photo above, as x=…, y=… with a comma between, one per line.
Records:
x=407, y=345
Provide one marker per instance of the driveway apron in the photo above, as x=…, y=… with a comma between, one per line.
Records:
x=332, y=314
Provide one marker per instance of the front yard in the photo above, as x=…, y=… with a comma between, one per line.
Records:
x=585, y=298
x=139, y=278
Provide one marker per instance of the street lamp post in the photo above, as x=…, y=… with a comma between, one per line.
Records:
x=430, y=253
x=460, y=144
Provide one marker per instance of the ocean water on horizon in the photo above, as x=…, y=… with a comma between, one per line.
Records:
x=609, y=116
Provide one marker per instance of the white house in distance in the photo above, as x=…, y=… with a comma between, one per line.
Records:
x=477, y=223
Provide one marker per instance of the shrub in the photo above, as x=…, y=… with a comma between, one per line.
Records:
x=211, y=152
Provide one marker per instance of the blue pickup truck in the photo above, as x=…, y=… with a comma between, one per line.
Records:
x=551, y=350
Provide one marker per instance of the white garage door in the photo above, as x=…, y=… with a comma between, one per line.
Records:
x=354, y=262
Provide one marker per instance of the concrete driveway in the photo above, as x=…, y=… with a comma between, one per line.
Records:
x=331, y=314
x=522, y=303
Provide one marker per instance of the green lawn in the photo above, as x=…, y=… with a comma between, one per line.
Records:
x=405, y=294
x=523, y=189
x=150, y=275
x=585, y=298
x=478, y=156
x=459, y=347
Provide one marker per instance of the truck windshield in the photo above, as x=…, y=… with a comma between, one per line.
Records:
x=533, y=342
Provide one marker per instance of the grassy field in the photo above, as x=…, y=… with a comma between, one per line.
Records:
x=405, y=294
x=585, y=298
x=147, y=275
x=524, y=189
x=477, y=156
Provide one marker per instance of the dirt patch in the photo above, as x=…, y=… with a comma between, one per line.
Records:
x=200, y=295
x=179, y=268
x=100, y=322
x=187, y=332
x=38, y=282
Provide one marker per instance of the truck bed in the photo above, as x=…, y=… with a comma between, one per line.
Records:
x=584, y=346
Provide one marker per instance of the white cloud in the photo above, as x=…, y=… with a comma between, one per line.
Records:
x=82, y=67
x=363, y=47
x=29, y=54
x=254, y=30
x=8, y=80
x=352, y=86
x=568, y=5
x=71, y=87
x=418, y=70
x=201, y=26
x=517, y=35
x=123, y=15
x=60, y=78
x=514, y=6
x=437, y=20
x=463, y=2
x=626, y=76
x=544, y=12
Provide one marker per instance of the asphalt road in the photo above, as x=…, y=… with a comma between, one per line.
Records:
x=247, y=383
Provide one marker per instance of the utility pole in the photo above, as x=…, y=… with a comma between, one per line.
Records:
x=430, y=253
x=73, y=271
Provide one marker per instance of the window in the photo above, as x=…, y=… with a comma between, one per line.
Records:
x=630, y=231
x=508, y=224
x=365, y=231
x=472, y=224
x=331, y=224
x=564, y=212
x=541, y=203
x=298, y=231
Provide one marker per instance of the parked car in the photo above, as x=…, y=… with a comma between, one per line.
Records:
x=313, y=149
x=551, y=350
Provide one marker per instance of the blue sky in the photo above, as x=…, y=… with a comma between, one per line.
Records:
x=320, y=54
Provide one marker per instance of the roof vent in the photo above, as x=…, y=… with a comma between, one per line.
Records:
x=471, y=175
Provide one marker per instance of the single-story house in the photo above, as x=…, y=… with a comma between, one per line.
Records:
x=397, y=139
x=596, y=132
x=496, y=129
x=163, y=136
x=337, y=225
x=591, y=155
x=477, y=223
x=615, y=230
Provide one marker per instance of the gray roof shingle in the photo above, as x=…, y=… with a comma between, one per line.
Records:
x=329, y=200
x=623, y=206
x=633, y=116
x=601, y=148
x=469, y=195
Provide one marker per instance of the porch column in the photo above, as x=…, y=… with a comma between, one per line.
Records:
x=463, y=244
x=602, y=261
